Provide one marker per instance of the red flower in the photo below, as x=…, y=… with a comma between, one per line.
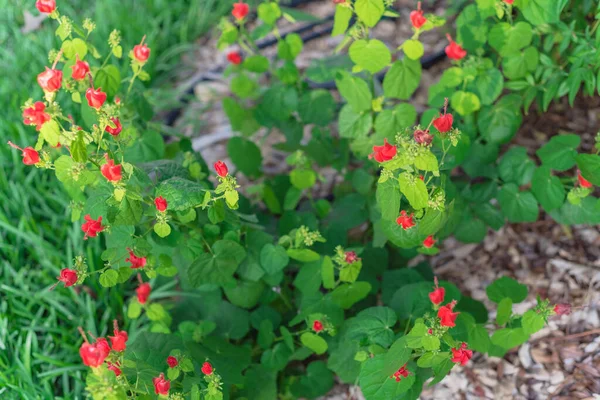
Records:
x=339, y=1
x=461, y=355
x=136, y=262
x=443, y=123
x=35, y=115
x=45, y=6
x=103, y=346
x=383, y=153
x=207, y=369
x=240, y=10
x=406, y=221
x=94, y=354
x=454, y=51
x=91, y=227
x=509, y=1
x=143, y=292
x=118, y=341
x=429, y=242
x=172, y=361
x=447, y=317
x=114, y=368
x=68, y=276
x=437, y=296
x=141, y=52
x=50, y=80
x=221, y=169
x=234, y=57
x=117, y=129
x=30, y=156
x=111, y=171
x=161, y=385
x=95, y=97
x=582, y=181
x=317, y=326
x=423, y=137
x=401, y=373
x=417, y=18
x=160, y=203
x=562, y=309
x=351, y=257
x=80, y=69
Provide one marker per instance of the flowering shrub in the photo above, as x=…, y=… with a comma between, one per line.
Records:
x=278, y=290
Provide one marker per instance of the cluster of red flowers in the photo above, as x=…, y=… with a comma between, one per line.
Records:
x=401, y=373
x=462, y=355
x=350, y=257
x=94, y=354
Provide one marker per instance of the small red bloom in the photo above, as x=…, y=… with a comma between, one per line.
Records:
x=111, y=171
x=562, y=309
x=461, y=355
x=91, y=355
x=339, y=1
x=207, y=369
x=103, y=346
x=404, y=220
x=35, y=115
x=80, y=69
x=401, y=373
x=45, y=6
x=437, y=296
x=30, y=155
x=423, y=137
x=509, y=1
x=160, y=203
x=161, y=385
x=143, y=292
x=172, y=361
x=141, y=52
x=583, y=182
x=417, y=18
x=240, y=10
x=234, y=57
x=447, y=317
x=317, y=326
x=117, y=129
x=91, y=227
x=383, y=153
x=68, y=276
x=114, y=368
x=429, y=242
x=95, y=97
x=50, y=80
x=454, y=51
x=443, y=123
x=136, y=262
x=351, y=257
x=430, y=331
x=221, y=169
x=118, y=342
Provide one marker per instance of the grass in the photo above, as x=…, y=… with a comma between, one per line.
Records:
x=38, y=337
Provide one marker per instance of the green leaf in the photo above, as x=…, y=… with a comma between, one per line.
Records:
x=516, y=167
x=398, y=355
x=303, y=255
x=244, y=294
x=354, y=90
x=402, y=79
x=277, y=357
x=109, y=278
x=317, y=107
x=540, y=12
x=273, y=258
x=341, y=20
x=488, y=86
x=392, y=121
x=374, y=324
x=371, y=55
x=464, y=102
x=350, y=272
x=109, y=79
x=308, y=279
x=327, y=273
x=369, y=11
x=376, y=385
x=430, y=342
x=245, y=155
x=504, y=311
x=471, y=30
x=216, y=268
x=388, y=199
x=162, y=229
x=348, y=294
x=518, y=65
x=134, y=309
x=129, y=212
x=73, y=48
x=314, y=342
x=78, y=149
x=414, y=189
x=508, y=39
x=560, y=152
x=589, y=165
x=269, y=12
x=181, y=194
x=506, y=287
x=353, y=125
x=547, y=189
x=479, y=339
x=317, y=381
x=50, y=131
x=532, y=322
x=428, y=360
x=426, y=161
x=241, y=119
x=243, y=86
x=508, y=338
x=413, y=49
x=257, y=63
x=342, y=360
x=303, y=178
x=518, y=206
x=498, y=123
x=441, y=370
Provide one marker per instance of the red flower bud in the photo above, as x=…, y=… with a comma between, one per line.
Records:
x=161, y=385
x=141, y=52
x=114, y=368
x=35, y=115
x=417, y=18
x=240, y=10
x=136, y=262
x=562, y=309
x=317, y=326
x=383, y=153
x=429, y=242
x=172, y=361
x=143, y=292
x=401, y=373
x=423, y=137
x=117, y=129
x=437, y=296
x=68, y=276
x=351, y=257
x=406, y=221
x=45, y=6
x=80, y=69
x=234, y=57
x=443, y=123
x=454, y=51
x=91, y=227
x=111, y=171
x=461, y=355
x=583, y=182
x=118, y=341
x=207, y=369
x=50, y=80
x=446, y=316
x=95, y=97
x=221, y=169
x=160, y=203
